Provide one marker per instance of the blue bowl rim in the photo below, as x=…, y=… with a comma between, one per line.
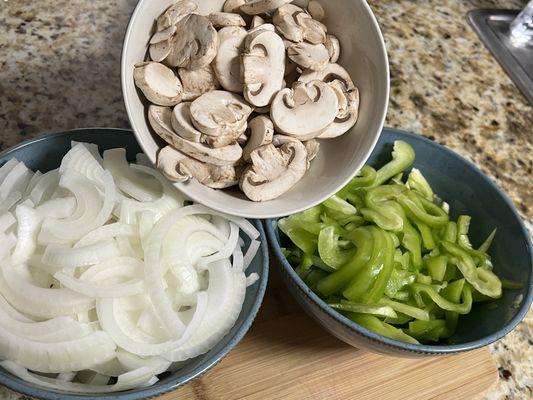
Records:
x=21, y=386
x=415, y=348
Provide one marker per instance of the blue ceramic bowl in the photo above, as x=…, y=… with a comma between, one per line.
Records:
x=45, y=153
x=468, y=191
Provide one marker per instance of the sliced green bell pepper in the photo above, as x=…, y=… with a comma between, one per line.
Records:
x=382, y=328
x=403, y=156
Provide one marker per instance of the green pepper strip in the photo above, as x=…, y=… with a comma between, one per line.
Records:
x=365, y=177
x=460, y=308
x=450, y=233
x=382, y=328
x=338, y=204
x=305, y=264
x=403, y=156
x=426, y=234
x=406, y=309
x=463, y=225
x=423, y=210
x=488, y=241
x=381, y=210
x=301, y=238
x=329, y=251
x=338, y=280
x=508, y=284
x=416, y=181
x=483, y=280
x=365, y=278
x=436, y=267
x=452, y=293
x=378, y=289
x=374, y=309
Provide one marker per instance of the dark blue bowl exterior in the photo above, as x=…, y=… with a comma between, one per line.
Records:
x=45, y=153
x=468, y=191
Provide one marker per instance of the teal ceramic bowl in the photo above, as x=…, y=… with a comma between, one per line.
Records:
x=45, y=153
x=468, y=191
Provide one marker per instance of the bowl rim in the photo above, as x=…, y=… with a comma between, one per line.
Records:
x=18, y=385
x=216, y=205
x=402, y=346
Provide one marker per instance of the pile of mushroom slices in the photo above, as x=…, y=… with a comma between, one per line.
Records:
x=242, y=95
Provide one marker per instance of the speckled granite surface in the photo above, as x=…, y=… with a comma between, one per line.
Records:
x=59, y=69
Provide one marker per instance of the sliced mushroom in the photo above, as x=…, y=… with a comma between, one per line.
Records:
x=227, y=63
x=243, y=139
x=313, y=31
x=329, y=74
x=225, y=140
x=159, y=51
x=160, y=120
x=312, y=146
x=182, y=124
x=347, y=115
x=296, y=25
x=257, y=21
x=264, y=27
x=163, y=35
x=316, y=10
x=233, y=6
x=334, y=48
x=262, y=110
x=158, y=83
x=222, y=19
x=261, y=133
x=285, y=21
x=274, y=171
x=219, y=113
x=175, y=13
x=197, y=82
x=179, y=167
x=254, y=7
x=304, y=111
x=194, y=44
x=263, y=66
x=309, y=56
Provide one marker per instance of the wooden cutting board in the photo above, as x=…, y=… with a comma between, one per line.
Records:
x=286, y=355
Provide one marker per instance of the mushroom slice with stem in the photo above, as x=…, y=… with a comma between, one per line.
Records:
x=257, y=21
x=222, y=19
x=263, y=66
x=274, y=171
x=296, y=25
x=219, y=113
x=306, y=110
x=348, y=111
x=309, y=56
x=159, y=51
x=334, y=48
x=227, y=63
x=261, y=133
x=160, y=120
x=316, y=10
x=254, y=7
x=176, y=12
x=195, y=43
x=163, y=35
x=312, y=146
x=158, y=83
x=182, y=124
x=329, y=74
x=197, y=82
x=179, y=167
x=233, y=6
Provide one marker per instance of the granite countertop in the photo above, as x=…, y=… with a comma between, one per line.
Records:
x=59, y=69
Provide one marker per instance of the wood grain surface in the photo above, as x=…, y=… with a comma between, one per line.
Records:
x=286, y=355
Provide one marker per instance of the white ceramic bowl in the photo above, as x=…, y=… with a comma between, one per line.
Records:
x=363, y=54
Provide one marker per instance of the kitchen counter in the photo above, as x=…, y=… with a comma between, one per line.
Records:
x=60, y=69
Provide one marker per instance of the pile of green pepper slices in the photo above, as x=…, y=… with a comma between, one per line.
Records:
x=385, y=254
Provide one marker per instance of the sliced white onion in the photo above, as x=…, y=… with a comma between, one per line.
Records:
x=93, y=149
x=133, y=287
x=252, y=278
x=251, y=252
x=136, y=185
x=60, y=207
x=7, y=220
x=16, y=180
x=81, y=160
x=28, y=225
x=31, y=184
x=7, y=168
x=107, y=232
x=237, y=259
x=37, y=301
x=66, y=257
x=44, y=188
x=227, y=250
